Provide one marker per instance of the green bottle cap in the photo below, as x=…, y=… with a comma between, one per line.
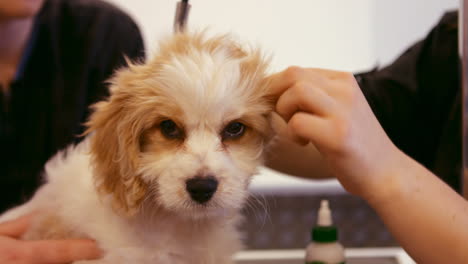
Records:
x=324, y=234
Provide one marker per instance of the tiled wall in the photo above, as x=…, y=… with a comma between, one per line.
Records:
x=285, y=222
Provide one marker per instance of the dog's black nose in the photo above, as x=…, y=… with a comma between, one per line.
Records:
x=201, y=189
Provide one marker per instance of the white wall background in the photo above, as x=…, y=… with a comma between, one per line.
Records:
x=301, y=32
x=399, y=23
x=350, y=35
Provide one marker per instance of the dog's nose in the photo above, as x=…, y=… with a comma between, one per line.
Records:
x=201, y=189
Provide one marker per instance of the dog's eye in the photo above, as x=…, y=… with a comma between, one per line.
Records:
x=170, y=130
x=233, y=130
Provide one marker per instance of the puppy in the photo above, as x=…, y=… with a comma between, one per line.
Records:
x=163, y=172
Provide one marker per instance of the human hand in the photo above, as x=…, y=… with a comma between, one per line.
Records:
x=328, y=109
x=13, y=250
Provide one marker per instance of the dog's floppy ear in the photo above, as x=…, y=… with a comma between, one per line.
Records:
x=114, y=135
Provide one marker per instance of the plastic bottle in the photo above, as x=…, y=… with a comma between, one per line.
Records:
x=324, y=248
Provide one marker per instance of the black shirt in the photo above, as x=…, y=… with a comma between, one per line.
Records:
x=74, y=48
x=417, y=100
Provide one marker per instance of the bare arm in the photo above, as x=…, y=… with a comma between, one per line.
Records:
x=328, y=109
x=424, y=214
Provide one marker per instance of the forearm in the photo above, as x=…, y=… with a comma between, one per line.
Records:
x=301, y=161
x=291, y=158
x=425, y=215
x=328, y=108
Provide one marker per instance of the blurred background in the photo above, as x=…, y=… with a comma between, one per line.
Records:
x=350, y=35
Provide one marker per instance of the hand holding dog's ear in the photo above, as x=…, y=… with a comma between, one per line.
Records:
x=13, y=250
x=328, y=109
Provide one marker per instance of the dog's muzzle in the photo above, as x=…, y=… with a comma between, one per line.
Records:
x=201, y=189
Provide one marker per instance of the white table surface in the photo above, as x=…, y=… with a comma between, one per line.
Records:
x=270, y=182
x=264, y=255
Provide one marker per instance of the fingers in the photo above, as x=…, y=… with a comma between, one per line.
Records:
x=308, y=99
x=303, y=96
x=42, y=251
x=61, y=251
x=304, y=127
x=281, y=81
x=15, y=228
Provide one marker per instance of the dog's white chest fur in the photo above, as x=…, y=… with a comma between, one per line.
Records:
x=70, y=198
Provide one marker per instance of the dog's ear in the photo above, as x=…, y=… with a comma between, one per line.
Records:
x=114, y=135
x=254, y=68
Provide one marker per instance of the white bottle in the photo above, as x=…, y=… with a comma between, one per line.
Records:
x=324, y=248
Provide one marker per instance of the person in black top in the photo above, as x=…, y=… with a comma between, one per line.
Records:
x=417, y=100
x=55, y=56
x=73, y=47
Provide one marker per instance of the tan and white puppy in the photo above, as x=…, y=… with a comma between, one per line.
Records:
x=164, y=170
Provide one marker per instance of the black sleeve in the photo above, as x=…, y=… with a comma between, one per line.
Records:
x=120, y=38
x=77, y=46
x=115, y=36
x=413, y=97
